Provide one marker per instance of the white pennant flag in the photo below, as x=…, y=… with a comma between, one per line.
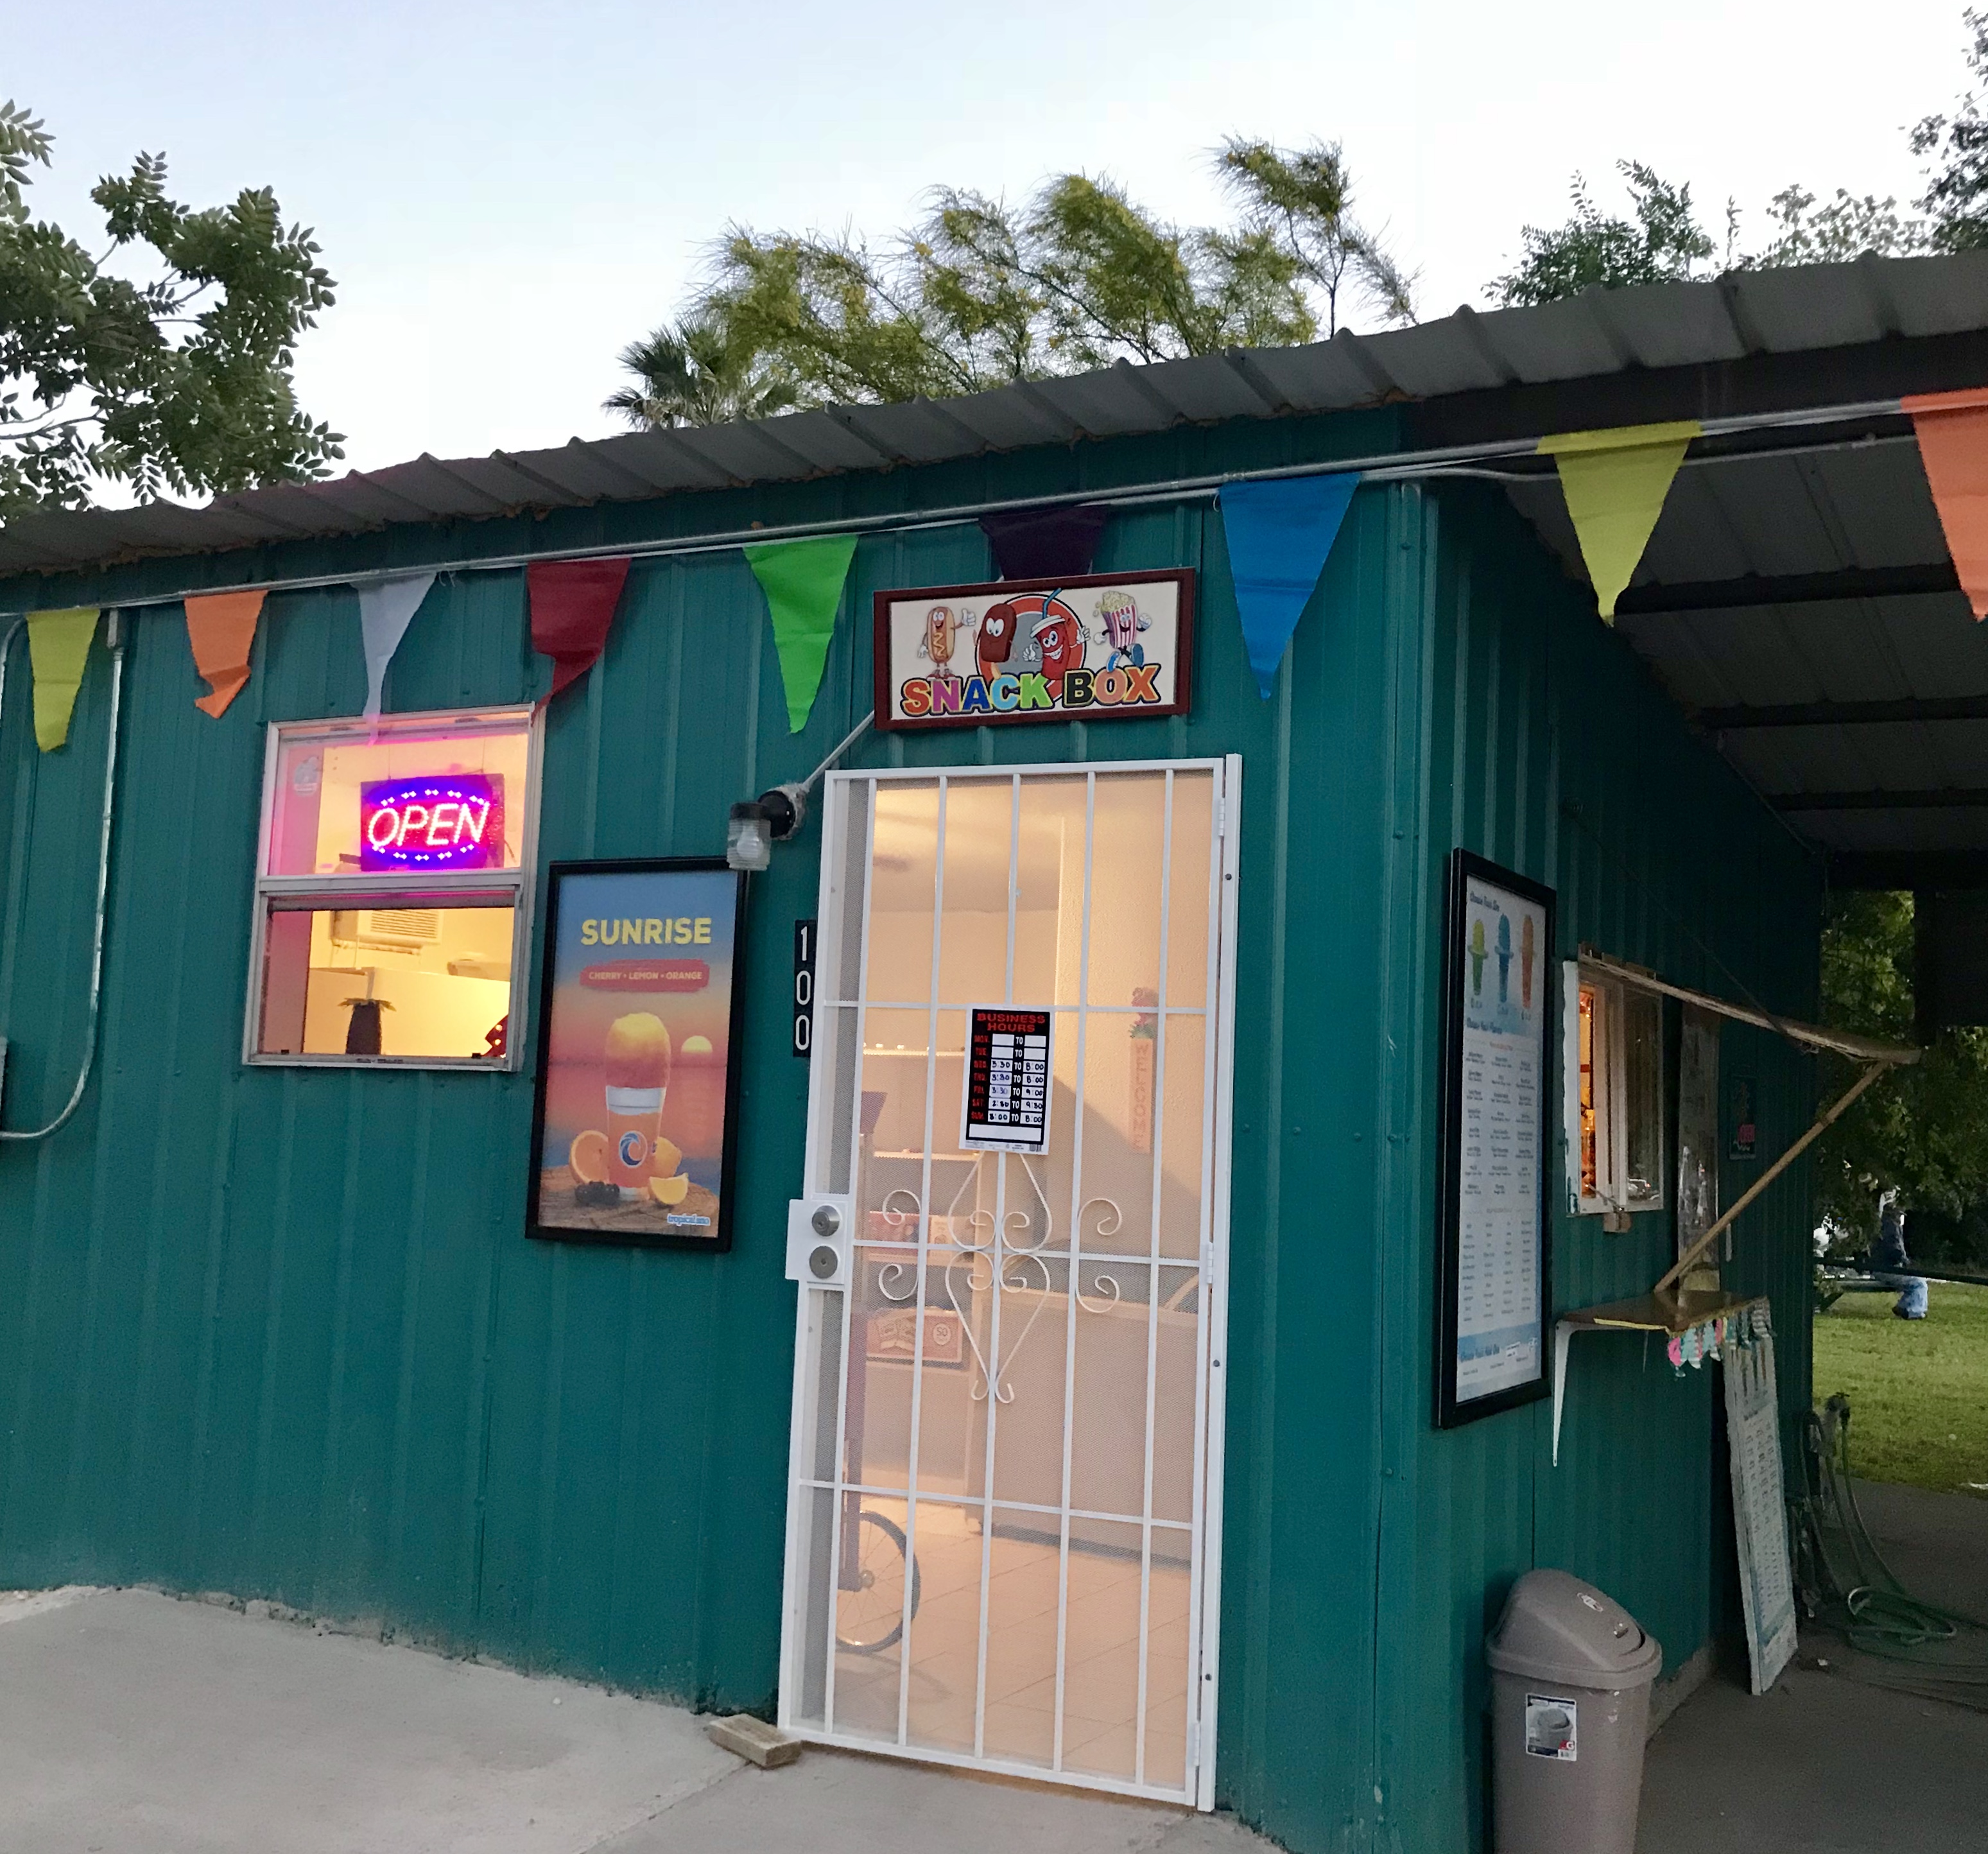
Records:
x=385, y=608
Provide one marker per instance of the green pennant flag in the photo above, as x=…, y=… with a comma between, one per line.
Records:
x=802, y=582
x=58, y=649
x=1615, y=482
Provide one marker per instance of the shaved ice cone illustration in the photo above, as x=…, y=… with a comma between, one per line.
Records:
x=1526, y=962
x=638, y=1078
x=1477, y=959
x=1504, y=957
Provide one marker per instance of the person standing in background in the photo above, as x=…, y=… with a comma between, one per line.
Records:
x=1889, y=1263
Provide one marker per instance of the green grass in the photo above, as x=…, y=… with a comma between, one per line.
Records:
x=1918, y=1388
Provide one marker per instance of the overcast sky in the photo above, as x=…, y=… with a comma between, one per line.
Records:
x=509, y=194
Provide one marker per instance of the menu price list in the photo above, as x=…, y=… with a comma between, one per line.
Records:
x=1498, y=1184
x=1007, y=1105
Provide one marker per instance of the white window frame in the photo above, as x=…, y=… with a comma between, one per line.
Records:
x=517, y=886
x=1611, y=1197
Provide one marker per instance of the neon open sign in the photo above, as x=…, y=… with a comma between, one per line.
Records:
x=441, y=820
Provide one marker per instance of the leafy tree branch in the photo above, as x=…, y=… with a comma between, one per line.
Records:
x=980, y=291
x=177, y=380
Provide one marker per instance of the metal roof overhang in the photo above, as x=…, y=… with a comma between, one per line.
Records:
x=1796, y=599
x=1802, y=609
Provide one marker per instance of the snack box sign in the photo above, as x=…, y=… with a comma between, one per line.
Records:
x=1101, y=647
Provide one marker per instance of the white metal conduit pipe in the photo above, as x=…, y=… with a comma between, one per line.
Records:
x=1468, y=460
x=114, y=637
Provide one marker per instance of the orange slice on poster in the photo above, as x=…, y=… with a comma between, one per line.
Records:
x=665, y=1157
x=669, y=1190
x=589, y=1156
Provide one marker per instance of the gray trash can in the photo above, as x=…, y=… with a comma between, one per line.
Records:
x=1571, y=1676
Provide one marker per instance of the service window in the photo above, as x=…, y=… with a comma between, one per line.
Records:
x=391, y=891
x=1614, y=1094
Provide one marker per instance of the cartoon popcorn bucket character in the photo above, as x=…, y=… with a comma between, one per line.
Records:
x=1118, y=612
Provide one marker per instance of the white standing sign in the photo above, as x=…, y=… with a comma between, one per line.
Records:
x=1759, y=1501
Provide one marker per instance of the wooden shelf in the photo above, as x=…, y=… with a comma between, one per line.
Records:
x=1670, y=1310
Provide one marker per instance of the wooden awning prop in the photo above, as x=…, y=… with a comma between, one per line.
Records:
x=1672, y=1307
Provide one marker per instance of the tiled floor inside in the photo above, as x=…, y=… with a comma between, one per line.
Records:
x=1101, y=1698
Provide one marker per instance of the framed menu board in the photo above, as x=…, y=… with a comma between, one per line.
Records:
x=1492, y=1303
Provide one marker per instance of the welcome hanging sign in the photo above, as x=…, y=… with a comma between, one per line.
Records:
x=1100, y=647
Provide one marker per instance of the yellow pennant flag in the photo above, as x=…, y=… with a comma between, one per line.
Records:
x=1615, y=482
x=58, y=648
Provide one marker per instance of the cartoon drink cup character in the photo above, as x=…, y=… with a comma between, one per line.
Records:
x=1504, y=956
x=1477, y=959
x=638, y=1077
x=1526, y=962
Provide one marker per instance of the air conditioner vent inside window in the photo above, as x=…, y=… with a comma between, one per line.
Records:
x=408, y=928
x=402, y=923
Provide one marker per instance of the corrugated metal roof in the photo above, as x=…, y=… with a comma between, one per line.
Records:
x=1728, y=518
x=1605, y=331
x=1822, y=511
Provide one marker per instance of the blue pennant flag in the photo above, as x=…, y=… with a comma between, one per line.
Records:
x=1280, y=533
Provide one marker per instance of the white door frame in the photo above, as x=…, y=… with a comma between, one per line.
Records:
x=819, y=1308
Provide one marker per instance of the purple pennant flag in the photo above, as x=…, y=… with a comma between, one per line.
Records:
x=1057, y=543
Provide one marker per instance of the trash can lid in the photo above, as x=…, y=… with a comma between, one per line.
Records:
x=1556, y=1628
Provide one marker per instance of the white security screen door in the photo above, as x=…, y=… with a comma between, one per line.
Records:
x=1004, y=1515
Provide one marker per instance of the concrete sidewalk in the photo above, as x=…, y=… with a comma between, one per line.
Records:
x=1828, y=1762
x=133, y=1724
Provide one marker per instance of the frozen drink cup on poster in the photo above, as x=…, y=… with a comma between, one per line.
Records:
x=1477, y=959
x=1504, y=957
x=638, y=1078
x=1526, y=962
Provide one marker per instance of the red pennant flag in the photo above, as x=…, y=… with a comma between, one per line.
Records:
x=1952, y=430
x=572, y=604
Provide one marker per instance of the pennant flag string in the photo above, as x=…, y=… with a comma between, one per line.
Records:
x=221, y=626
x=1952, y=430
x=1279, y=533
x=386, y=608
x=58, y=649
x=1615, y=482
x=572, y=604
x=1056, y=542
x=803, y=581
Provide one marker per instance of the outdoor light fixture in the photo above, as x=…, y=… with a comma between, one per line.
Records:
x=749, y=837
x=756, y=825
x=785, y=808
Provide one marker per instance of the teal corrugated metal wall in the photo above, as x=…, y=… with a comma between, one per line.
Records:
x=1527, y=705
x=278, y=1332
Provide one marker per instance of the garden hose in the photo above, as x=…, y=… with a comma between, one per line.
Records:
x=1846, y=1586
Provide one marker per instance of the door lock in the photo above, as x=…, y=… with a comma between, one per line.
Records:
x=818, y=1241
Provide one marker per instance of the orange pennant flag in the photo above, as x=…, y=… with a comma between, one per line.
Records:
x=1952, y=432
x=221, y=626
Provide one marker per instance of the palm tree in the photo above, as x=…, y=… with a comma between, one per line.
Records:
x=688, y=373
